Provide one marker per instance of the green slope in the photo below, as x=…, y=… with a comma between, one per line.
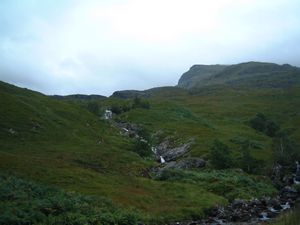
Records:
x=222, y=113
x=57, y=143
x=62, y=144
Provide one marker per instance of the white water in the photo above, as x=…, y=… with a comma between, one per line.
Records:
x=264, y=217
x=273, y=210
x=286, y=206
x=153, y=149
x=126, y=130
x=162, y=160
x=295, y=181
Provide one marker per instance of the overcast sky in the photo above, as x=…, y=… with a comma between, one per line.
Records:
x=100, y=46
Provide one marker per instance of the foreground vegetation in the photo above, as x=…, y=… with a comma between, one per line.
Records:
x=23, y=202
x=231, y=184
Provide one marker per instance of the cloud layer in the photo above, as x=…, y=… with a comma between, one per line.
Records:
x=72, y=46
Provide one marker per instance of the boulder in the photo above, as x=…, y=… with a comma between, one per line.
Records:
x=187, y=163
x=238, y=203
x=175, y=153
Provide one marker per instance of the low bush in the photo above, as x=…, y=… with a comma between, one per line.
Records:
x=228, y=183
x=261, y=123
x=23, y=202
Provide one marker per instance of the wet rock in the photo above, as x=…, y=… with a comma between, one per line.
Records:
x=163, y=147
x=255, y=203
x=175, y=153
x=288, y=180
x=187, y=163
x=12, y=131
x=274, y=203
x=289, y=192
x=238, y=203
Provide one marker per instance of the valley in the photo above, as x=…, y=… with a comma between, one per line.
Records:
x=224, y=138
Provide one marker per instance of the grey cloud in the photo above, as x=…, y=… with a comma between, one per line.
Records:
x=64, y=47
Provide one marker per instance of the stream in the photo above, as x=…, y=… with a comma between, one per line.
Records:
x=241, y=212
x=255, y=211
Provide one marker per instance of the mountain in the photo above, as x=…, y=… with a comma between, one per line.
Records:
x=78, y=97
x=198, y=73
x=153, y=92
x=250, y=74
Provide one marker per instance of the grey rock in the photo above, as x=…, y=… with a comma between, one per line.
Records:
x=187, y=163
x=238, y=203
x=12, y=131
x=175, y=153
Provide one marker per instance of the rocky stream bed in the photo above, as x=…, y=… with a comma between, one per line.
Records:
x=238, y=212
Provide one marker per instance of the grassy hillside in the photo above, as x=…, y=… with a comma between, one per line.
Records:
x=62, y=144
x=66, y=145
x=222, y=114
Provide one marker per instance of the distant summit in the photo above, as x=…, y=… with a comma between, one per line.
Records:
x=249, y=74
x=78, y=97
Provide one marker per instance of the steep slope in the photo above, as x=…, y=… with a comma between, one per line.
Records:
x=198, y=74
x=251, y=74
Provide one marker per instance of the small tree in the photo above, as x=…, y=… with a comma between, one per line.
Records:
x=220, y=155
x=247, y=162
x=285, y=149
x=140, y=103
x=261, y=123
x=142, y=148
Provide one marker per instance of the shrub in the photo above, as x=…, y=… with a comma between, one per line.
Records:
x=246, y=161
x=220, y=155
x=23, y=202
x=93, y=107
x=140, y=103
x=285, y=149
x=261, y=123
x=142, y=148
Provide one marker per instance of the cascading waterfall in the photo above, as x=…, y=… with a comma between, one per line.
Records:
x=154, y=150
x=296, y=178
x=162, y=160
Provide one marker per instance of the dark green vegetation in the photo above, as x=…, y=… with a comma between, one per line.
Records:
x=66, y=144
x=23, y=202
x=228, y=183
x=62, y=144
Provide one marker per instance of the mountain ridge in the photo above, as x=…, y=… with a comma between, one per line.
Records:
x=248, y=74
x=251, y=74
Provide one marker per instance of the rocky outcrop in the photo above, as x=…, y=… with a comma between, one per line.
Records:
x=189, y=163
x=186, y=163
x=127, y=129
x=171, y=154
